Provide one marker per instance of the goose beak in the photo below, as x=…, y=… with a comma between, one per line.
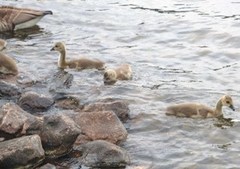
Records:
x=52, y=49
x=232, y=107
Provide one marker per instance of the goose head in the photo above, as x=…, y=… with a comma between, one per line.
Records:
x=228, y=102
x=110, y=76
x=59, y=46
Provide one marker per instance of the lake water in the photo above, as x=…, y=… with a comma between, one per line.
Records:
x=180, y=51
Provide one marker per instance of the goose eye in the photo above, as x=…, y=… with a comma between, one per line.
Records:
x=227, y=102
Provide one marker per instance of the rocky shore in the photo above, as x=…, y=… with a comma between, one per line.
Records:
x=32, y=138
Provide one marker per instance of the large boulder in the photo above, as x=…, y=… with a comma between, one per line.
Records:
x=103, y=125
x=58, y=135
x=9, y=89
x=23, y=152
x=15, y=122
x=102, y=154
x=34, y=102
x=119, y=107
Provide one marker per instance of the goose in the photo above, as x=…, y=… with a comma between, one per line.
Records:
x=79, y=64
x=13, y=18
x=3, y=44
x=123, y=72
x=7, y=64
x=197, y=110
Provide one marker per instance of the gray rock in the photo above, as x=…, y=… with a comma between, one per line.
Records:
x=15, y=121
x=67, y=102
x=47, y=166
x=103, y=154
x=9, y=89
x=103, y=125
x=34, y=102
x=60, y=80
x=119, y=107
x=58, y=135
x=23, y=152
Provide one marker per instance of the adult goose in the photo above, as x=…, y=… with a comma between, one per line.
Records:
x=197, y=110
x=13, y=18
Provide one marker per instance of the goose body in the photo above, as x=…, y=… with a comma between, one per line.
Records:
x=7, y=64
x=12, y=18
x=123, y=72
x=82, y=63
x=3, y=44
x=197, y=110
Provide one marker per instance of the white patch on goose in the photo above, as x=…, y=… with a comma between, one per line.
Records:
x=28, y=24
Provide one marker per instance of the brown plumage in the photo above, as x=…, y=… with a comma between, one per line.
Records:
x=12, y=18
x=7, y=64
x=123, y=72
x=3, y=44
x=82, y=63
x=196, y=110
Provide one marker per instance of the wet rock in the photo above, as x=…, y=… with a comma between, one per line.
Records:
x=48, y=166
x=58, y=135
x=103, y=154
x=68, y=102
x=103, y=125
x=34, y=102
x=9, y=89
x=119, y=107
x=14, y=121
x=23, y=152
x=60, y=80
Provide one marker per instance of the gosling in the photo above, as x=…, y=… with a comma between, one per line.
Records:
x=12, y=18
x=79, y=64
x=7, y=64
x=196, y=110
x=123, y=72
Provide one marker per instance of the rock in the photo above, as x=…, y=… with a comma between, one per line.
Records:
x=34, y=102
x=103, y=125
x=61, y=80
x=9, y=89
x=68, y=102
x=14, y=121
x=47, y=166
x=23, y=152
x=58, y=135
x=119, y=107
x=103, y=154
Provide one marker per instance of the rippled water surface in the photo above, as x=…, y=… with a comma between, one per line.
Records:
x=180, y=50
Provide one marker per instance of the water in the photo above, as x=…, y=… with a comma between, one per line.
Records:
x=180, y=50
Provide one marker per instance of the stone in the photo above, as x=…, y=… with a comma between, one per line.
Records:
x=103, y=154
x=60, y=80
x=102, y=125
x=9, y=89
x=119, y=107
x=34, y=102
x=23, y=152
x=48, y=166
x=58, y=135
x=68, y=102
x=15, y=122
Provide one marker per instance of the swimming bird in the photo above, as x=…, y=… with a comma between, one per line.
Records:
x=197, y=110
x=13, y=18
x=123, y=72
x=7, y=64
x=81, y=63
x=3, y=44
